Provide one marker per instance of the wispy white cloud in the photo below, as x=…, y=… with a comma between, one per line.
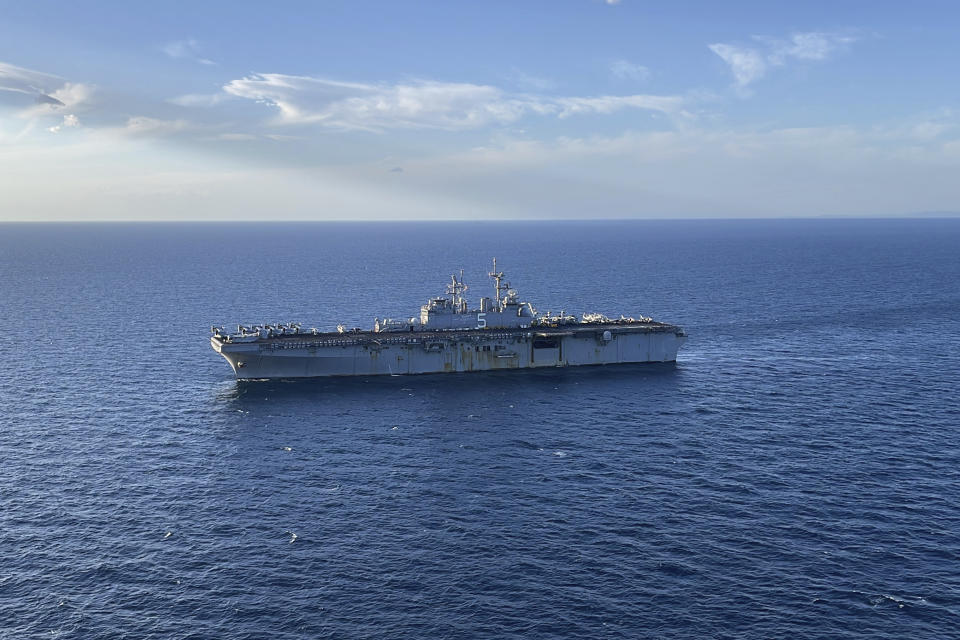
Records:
x=237, y=137
x=72, y=96
x=625, y=70
x=69, y=121
x=749, y=64
x=530, y=82
x=145, y=126
x=49, y=93
x=199, y=99
x=778, y=172
x=19, y=80
x=186, y=50
x=37, y=96
x=608, y=104
x=414, y=104
x=895, y=168
x=746, y=65
x=280, y=137
x=812, y=45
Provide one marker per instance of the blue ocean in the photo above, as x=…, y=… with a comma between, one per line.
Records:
x=796, y=474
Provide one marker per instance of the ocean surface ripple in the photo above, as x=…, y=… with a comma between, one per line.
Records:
x=795, y=474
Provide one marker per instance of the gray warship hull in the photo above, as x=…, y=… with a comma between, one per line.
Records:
x=369, y=353
x=504, y=332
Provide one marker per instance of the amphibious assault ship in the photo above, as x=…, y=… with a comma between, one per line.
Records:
x=502, y=333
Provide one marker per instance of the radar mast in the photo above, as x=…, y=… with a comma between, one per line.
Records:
x=499, y=284
x=456, y=289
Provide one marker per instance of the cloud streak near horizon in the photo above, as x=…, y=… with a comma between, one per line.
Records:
x=420, y=104
x=305, y=100
x=535, y=144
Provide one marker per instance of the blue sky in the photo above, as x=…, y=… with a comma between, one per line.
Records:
x=393, y=110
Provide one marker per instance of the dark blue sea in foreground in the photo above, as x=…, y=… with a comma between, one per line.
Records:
x=795, y=475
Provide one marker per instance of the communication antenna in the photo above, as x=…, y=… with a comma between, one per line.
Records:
x=456, y=289
x=498, y=279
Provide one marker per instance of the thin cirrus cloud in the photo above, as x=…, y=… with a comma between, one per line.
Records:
x=42, y=87
x=625, y=70
x=51, y=95
x=199, y=99
x=186, y=50
x=749, y=64
x=415, y=104
x=142, y=125
x=19, y=80
x=71, y=96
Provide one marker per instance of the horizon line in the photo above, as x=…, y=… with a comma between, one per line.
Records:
x=898, y=216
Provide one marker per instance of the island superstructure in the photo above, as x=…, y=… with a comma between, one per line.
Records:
x=503, y=332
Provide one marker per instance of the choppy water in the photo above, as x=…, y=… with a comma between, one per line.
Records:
x=797, y=474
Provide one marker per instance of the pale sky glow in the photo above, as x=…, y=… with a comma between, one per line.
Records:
x=388, y=110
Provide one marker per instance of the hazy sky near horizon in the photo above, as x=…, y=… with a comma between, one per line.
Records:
x=396, y=110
